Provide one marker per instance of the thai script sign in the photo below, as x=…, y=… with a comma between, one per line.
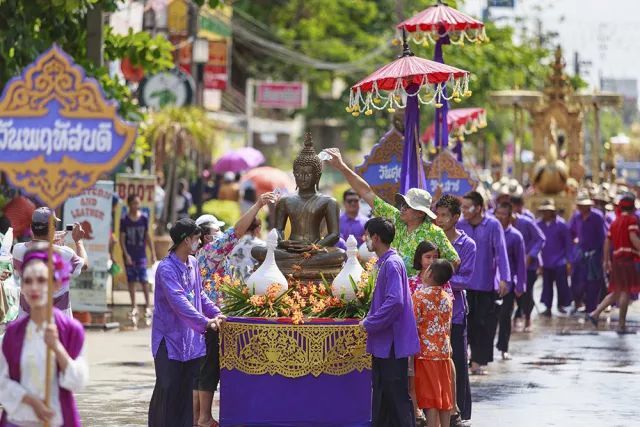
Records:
x=58, y=132
x=450, y=175
x=381, y=168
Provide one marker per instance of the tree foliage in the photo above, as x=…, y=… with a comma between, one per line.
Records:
x=28, y=28
x=345, y=31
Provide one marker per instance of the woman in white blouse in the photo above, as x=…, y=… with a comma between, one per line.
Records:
x=24, y=352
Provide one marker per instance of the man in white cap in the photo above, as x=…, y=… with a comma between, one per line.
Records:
x=412, y=216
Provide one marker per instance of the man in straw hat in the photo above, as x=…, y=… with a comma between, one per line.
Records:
x=555, y=257
x=588, y=231
x=412, y=216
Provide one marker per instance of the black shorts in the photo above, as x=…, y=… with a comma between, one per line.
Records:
x=209, y=375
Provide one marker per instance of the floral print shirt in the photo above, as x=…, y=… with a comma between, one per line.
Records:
x=415, y=282
x=432, y=306
x=240, y=263
x=211, y=258
x=406, y=243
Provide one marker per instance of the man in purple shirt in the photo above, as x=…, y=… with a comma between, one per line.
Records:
x=392, y=335
x=491, y=269
x=588, y=230
x=517, y=201
x=555, y=258
x=517, y=283
x=448, y=212
x=533, y=243
x=182, y=315
x=351, y=222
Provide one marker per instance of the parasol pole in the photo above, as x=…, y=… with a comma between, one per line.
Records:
x=422, y=179
x=48, y=372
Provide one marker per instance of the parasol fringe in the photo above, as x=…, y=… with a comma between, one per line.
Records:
x=456, y=37
x=433, y=94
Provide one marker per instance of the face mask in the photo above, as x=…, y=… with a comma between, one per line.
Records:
x=369, y=244
x=195, y=245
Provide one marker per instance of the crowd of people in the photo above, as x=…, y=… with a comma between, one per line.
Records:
x=451, y=274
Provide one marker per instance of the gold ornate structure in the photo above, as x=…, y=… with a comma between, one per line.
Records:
x=557, y=115
x=293, y=351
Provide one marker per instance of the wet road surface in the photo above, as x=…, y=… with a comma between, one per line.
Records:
x=564, y=373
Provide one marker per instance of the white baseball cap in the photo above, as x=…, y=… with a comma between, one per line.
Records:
x=209, y=219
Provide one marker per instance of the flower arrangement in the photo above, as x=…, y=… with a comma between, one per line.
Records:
x=302, y=299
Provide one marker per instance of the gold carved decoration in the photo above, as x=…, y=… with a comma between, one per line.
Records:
x=58, y=172
x=293, y=351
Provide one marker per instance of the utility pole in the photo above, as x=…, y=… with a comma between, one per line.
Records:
x=95, y=38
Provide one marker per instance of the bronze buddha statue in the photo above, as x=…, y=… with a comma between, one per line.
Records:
x=306, y=253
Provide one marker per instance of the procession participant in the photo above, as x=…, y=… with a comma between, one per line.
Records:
x=78, y=259
x=412, y=216
x=492, y=265
x=448, y=211
x=517, y=201
x=533, y=242
x=432, y=307
x=134, y=239
x=588, y=230
x=25, y=346
x=517, y=282
x=213, y=257
x=624, y=239
x=392, y=336
x=555, y=258
x=182, y=315
x=351, y=222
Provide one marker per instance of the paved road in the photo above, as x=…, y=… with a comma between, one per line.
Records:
x=563, y=374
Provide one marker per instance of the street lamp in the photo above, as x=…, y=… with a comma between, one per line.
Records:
x=200, y=51
x=199, y=56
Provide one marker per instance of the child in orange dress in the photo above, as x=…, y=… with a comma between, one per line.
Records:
x=433, y=307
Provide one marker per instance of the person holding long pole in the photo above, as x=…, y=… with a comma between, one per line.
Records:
x=27, y=398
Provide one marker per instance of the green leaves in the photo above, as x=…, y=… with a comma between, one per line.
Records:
x=153, y=54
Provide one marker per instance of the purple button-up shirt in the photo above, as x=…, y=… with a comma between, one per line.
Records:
x=492, y=263
x=460, y=280
x=516, y=254
x=590, y=231
x=179, y=304
x=533, y=238
x=557, y=248
x=390, y=320
x=353, y=226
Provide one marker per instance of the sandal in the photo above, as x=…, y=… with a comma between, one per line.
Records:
x=592, y=319
x=479, y=372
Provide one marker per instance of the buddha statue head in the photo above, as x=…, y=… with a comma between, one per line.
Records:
x=307, y=167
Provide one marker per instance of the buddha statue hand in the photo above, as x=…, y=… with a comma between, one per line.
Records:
x=297, y=246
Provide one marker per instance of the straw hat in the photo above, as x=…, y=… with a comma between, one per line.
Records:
x=548, y=205
x=584, y=200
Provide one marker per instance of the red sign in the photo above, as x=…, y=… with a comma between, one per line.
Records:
x=182, y=52
x=282, y=95
x=215, y=71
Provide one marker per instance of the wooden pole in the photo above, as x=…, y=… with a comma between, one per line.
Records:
x=48, y=372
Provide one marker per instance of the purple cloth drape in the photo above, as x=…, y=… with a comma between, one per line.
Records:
x=441, y=139
x=412, y=172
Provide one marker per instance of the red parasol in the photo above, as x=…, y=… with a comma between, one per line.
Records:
x=267, y=179
x=441, y=20
x=396, y=77
x=460, y=121
x=19, y=211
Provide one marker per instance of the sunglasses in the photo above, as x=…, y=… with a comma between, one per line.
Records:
x=352, y=201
